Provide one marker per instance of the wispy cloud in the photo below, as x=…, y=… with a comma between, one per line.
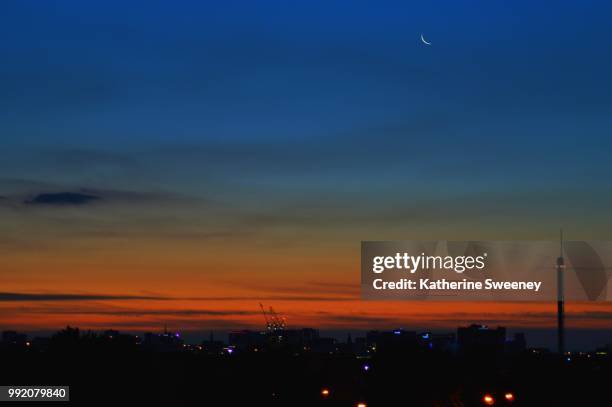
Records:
x=88, y=195
x=140, y=312
x=62, y=198
x=24, y=297
x=12, y=296
x=299, y=298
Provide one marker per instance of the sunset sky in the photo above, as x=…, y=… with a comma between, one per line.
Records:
x=179, y=162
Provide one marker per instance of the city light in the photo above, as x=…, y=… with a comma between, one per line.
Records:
x=509, y=396
x=366, y=367
x=325, y=392
x=488, y=400
x=362, y=404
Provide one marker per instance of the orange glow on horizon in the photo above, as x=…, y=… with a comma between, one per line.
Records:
x=230, y=313
x=144, y=285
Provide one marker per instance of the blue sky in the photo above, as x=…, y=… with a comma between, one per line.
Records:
x=233, y=101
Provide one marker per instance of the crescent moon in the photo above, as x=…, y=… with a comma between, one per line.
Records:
x=424, y=40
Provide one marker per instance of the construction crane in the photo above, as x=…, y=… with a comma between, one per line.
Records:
x=274, y=322
x=265, y=316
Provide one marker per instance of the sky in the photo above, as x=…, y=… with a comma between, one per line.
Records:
x=179, y=162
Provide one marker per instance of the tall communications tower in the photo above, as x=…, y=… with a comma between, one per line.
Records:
x=560, y=300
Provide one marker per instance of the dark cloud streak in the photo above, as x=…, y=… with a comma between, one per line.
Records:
x=62, y=198
x=24, y=297
x=9, y=297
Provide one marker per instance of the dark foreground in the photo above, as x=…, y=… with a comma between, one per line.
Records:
x=125, y=375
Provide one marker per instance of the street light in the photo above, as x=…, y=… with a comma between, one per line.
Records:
x=488, y=400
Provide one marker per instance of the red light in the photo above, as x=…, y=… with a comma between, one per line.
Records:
x=488, y=400
x=509, y=396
